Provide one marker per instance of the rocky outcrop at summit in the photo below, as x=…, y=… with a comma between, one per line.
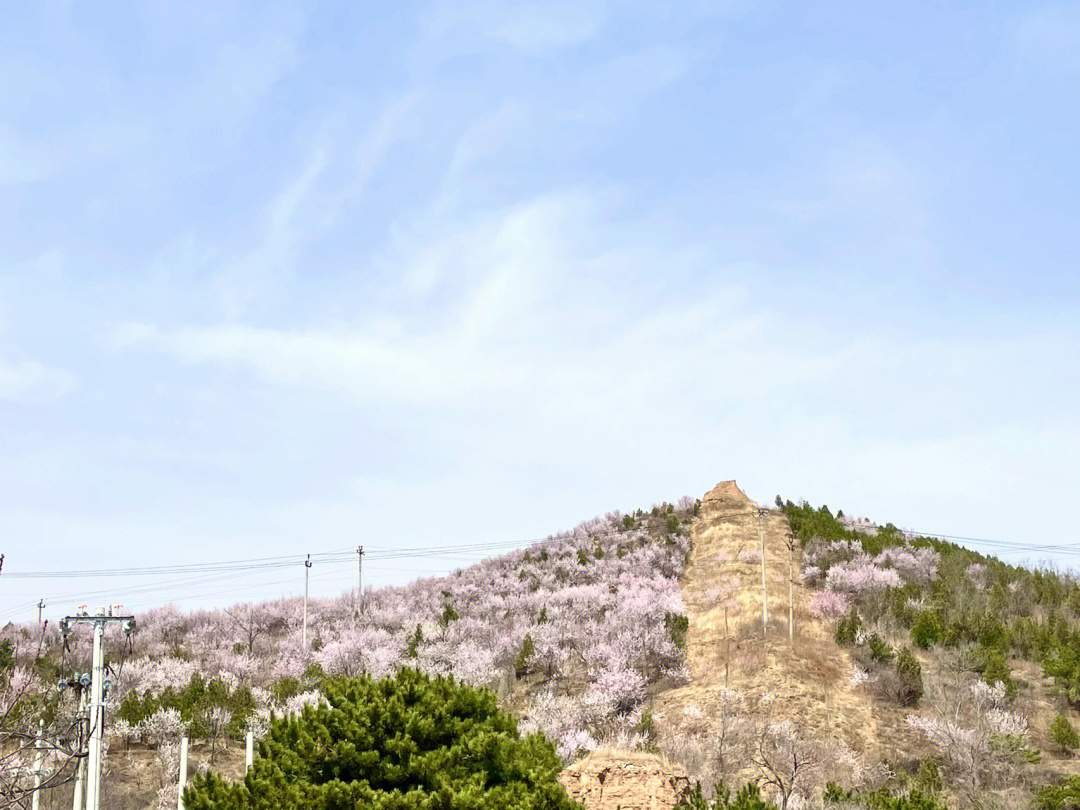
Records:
x=726, y=495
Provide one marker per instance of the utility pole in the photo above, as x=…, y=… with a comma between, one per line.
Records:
x=80, y=769
x=360, y=569
x=80, y=776
x=727, y=645
x=98, y=621
x=307, y=571
x=40, y=607
x=97, y=719
x=791, y=589
x=39, y=746
x=182, y=781
x=764, y=592
x=249, y=751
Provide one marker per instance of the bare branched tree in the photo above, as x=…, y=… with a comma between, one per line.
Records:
x=217, y=722
x=728, y=734
x=253, y=621
x=787, y=761
x=977, y=731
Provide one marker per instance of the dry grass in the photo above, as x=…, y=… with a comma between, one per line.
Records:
x=133, y=777
x=610, y=753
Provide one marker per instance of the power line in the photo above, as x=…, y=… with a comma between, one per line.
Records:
x=267, y=562
x=209, y=573
x=1064, y=548
x=186, y=588
x=193, y=586
x=233, y=565
x=200, y=574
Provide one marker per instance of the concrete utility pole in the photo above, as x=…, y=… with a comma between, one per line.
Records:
x=97, y=719
x=307, y=571
x=249, y=751
x=80, y=769
x=80, y=776
x=98, y=621
x=727, y=645
x=764, y=591
x=360, y=570
x=182, y=781
x=39, y=751
x=791, y=589
x=40, y=607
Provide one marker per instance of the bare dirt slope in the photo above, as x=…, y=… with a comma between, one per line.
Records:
x=807, y=677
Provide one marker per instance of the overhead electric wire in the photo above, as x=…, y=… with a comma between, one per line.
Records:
x=191, y=587
x=266, y=563
x=1064, y=548
x=202, y=574
x=210, y=573
x=339, y=576
x=194, y=568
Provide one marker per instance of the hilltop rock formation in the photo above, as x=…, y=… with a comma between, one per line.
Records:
x=726, y=493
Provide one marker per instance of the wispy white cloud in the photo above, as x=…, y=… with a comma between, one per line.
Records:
x=289, y=220
x=330, y=181
x=31, y=382
x=510, y=297
x=546, y=304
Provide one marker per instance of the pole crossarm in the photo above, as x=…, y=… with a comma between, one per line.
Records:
x=68, y=622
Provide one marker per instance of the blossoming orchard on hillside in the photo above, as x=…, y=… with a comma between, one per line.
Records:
x=577, y=635
x=586, y=614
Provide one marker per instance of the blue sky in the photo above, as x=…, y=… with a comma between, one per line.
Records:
x=278, y=279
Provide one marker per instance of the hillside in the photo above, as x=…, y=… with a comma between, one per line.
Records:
x=573, y=633
x=912, y=667
x=860, y=693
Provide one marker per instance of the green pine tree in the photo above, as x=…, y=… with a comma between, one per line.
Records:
x=996, y=670
x=910, y=675
x=1063, y=733
x=926, y=631
x=407, y=742
x=523, y=662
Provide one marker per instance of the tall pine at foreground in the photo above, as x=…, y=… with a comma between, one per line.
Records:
x=407, y=742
